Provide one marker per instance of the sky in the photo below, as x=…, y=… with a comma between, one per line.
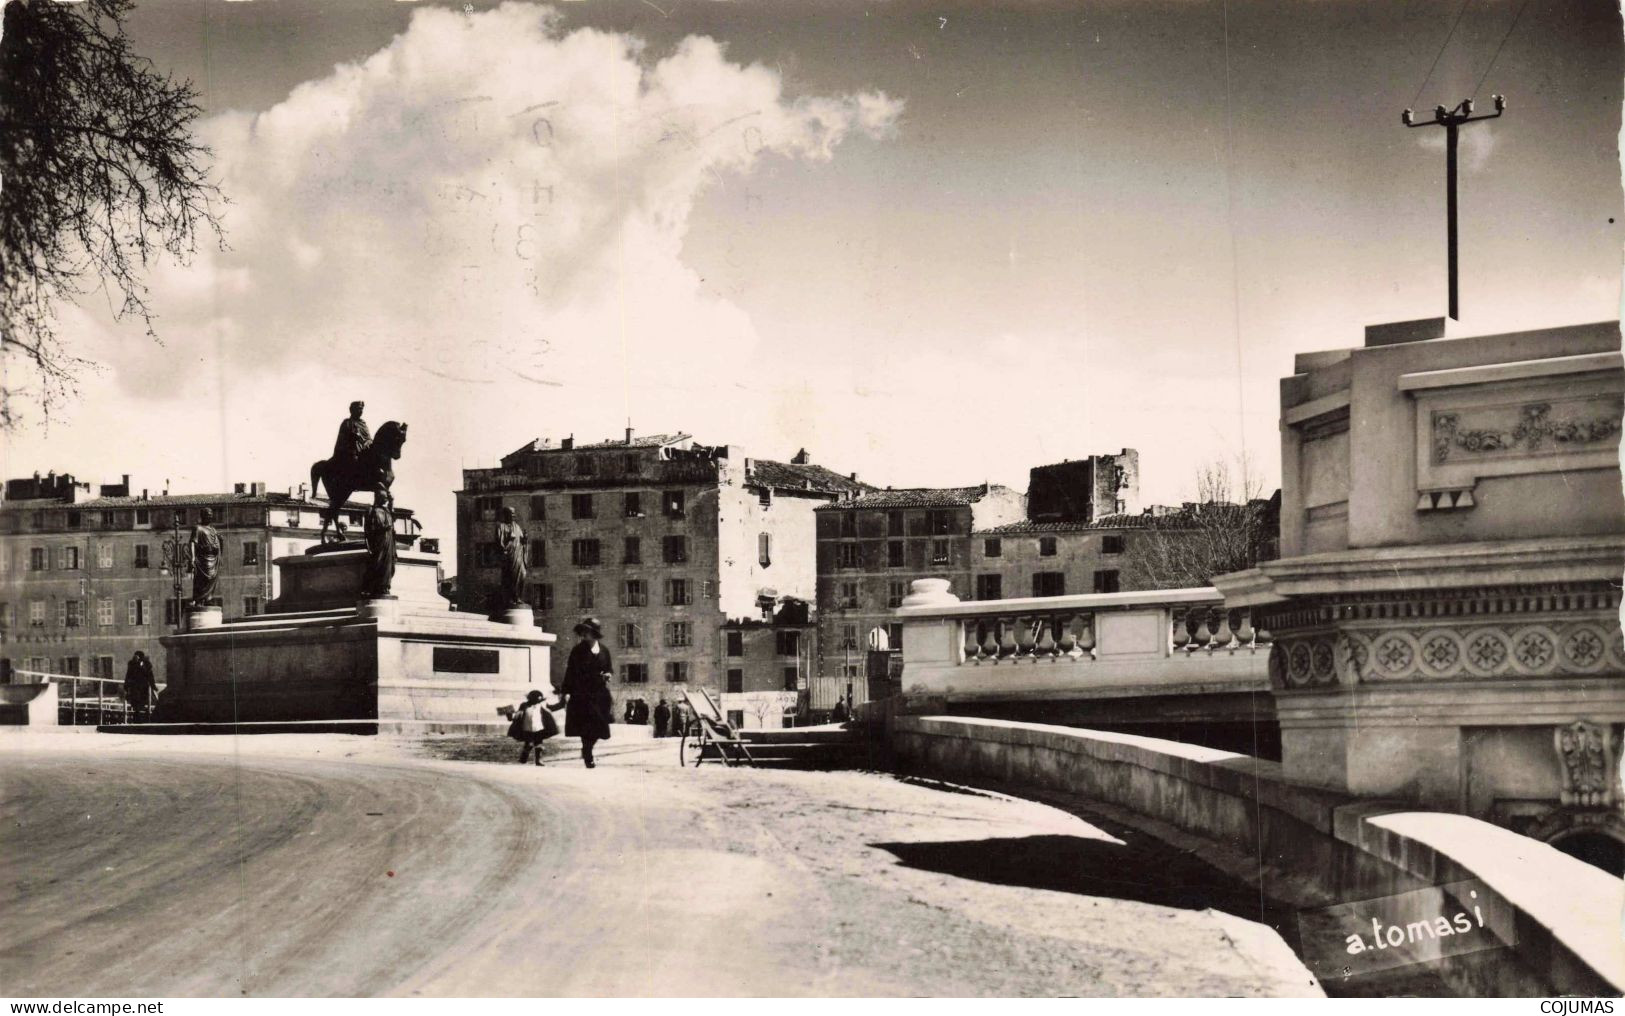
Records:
x=932, y=243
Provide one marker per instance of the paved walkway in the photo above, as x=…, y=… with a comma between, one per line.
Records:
x=335, y=865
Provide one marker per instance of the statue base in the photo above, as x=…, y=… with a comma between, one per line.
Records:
x=199, y=618
x=325, y=654
x=519, y=617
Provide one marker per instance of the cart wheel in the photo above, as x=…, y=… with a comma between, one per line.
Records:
x=683, y=749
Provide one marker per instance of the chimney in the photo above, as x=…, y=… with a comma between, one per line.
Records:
x=126, y=481
x=258, y=488
x=238, y=488
x=853, y=477
x=144, y=494
x=567, y=443
x=801, y=458
x=628, y=435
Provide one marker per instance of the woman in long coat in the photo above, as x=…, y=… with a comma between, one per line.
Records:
x=587, y=703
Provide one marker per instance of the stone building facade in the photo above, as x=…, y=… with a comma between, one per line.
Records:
x=662, y=539
x=869, y=548
x=84, y=580
x=1085, y=490
x=767, y=663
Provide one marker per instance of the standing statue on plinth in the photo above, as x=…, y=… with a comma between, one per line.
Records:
x=380, y=531
x=205, y=550
x=511, y=544
x=359, y=462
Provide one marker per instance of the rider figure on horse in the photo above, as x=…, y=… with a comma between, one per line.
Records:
x=354, y=438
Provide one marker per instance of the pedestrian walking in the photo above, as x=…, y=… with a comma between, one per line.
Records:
x=586, y=698
x=140, y=686
x=662, y=717
x=532, y=724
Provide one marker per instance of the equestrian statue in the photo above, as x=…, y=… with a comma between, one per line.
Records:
x=360, y=462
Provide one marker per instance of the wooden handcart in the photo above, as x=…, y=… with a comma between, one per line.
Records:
x=708, y=736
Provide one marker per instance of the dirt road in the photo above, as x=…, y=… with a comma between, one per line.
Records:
x=333, y=865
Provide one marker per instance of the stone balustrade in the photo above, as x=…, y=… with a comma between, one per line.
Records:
x=1070, y=644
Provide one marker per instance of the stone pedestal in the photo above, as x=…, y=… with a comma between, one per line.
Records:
x=1446, y=623
x=322, y=655
x=198, y=618
x=519, y=617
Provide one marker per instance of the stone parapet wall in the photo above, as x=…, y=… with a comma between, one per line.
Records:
x=1565, y=913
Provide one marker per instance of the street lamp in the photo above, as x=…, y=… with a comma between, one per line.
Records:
x=177, y=562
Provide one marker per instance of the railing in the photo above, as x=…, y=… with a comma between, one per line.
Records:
x=1066, y=644
x=71, y=707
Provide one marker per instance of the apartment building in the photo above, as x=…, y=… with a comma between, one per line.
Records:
x=660, y=538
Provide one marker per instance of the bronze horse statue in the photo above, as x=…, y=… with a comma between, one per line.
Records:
x=370, y=471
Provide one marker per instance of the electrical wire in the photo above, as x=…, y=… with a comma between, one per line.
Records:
x=1497, y=55
x=1435, y=66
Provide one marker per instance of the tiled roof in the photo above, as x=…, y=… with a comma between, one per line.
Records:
x=797, y=476
x=1170, y=519
x=1029, y=526
x=916, y=497
x=638, y=441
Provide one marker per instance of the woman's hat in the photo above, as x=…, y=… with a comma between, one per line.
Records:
x=591, y=626
x=534, y=696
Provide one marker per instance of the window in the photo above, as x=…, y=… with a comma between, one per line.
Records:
x=672, y=504
x=632, y=551
x=635, y=673
x=38, y=560
x=70, y=666
x=894, y=635
x=942, y=523
x=489, y=555
x=541, y=596
x=109, y=520
x=787, y=643
x=538, y=507
x=894, y=524
x=629, y=463
x=764, y=549
x=990, y=587
x=679, y=635
x=992, y=547
x=172, y=613
x=894, y=554
x=1049, y=583
x=792, y=679
x=583, y=465
x=102, y=667
x=70, y=558
x=634, y=593
x=736, y=681
x=251, y=606
x=585, y=594
x=679, y=593
x=632, y=505
x=487, y=507
x=939, y=552
x=631, y=636
x=251, y=552
x=36, y=613
x=849, y=636
x=73, y=520
x=143, y=518
x=104, y=611
x=736, y=643
x=538, y=554
x=674, y=549
x=849, y=595
x=1111, y=544
x=895, y=591
x=849, y=523
x=140, y=611
x=581, y=506
x=584, y=553
x=73, y=613
x=676, y=671
x=1046, y=546
x=104, y=555
x=141, y=561
x=1106, y=582
x=846, y=555
x=5, y=616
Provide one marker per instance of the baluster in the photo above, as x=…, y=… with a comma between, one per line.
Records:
x=1086, y=636
x=990, y=640
x=1026, y=644
x=1007, y=638
x=1066, y=643
x=1046, y=647
x=1221, y=637
x=1244, y=631
x=1200, y=636
x=973, y=643
x=1182, y=637
x=1262, y=638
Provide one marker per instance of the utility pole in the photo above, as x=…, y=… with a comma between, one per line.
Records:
x=1452, y=120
